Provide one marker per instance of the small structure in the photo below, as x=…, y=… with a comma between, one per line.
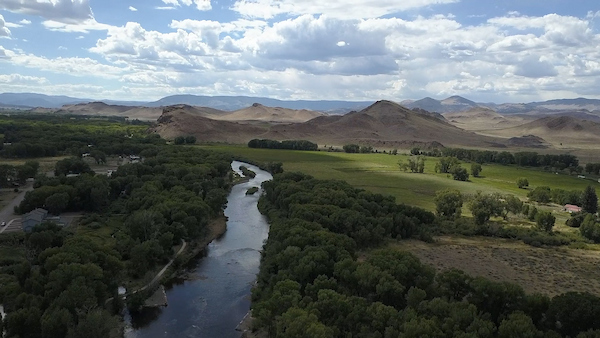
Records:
x=33, y=219
x=570, y=208
x=580, y=176
x=36, y=217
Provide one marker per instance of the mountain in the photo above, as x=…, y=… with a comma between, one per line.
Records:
x=103, y=109
x=37, y=100
x=384, y=123
x=232, y=103
x=482, y=118
x=448, y=105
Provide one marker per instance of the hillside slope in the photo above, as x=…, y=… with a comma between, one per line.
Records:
x=558, y=130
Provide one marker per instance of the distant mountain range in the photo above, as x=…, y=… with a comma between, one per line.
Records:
x=455, y=104
x=228, y=103
x=231, y=103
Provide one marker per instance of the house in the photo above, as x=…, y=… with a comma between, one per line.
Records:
x=570, y=208
x=33, y=219
x=37, y=217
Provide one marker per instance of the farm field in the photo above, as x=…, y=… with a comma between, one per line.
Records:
x=380, y=173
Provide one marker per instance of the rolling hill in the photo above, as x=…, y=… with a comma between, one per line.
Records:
x=383, y=123
x=561, y=131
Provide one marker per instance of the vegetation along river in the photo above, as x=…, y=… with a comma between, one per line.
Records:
x=217, y=297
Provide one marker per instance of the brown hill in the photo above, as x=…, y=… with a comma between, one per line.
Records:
x=103, y=109
x=481, y=118
x=258, y=112
x=558, y=130
x=382, y=121
x=183, y=120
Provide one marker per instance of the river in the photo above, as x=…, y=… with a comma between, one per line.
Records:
x=217, y=296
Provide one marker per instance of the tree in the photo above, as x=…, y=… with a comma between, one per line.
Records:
x=57, y=203
x=589, y=200
x=540, y=194
x=98, y=155
x=522, y=183
x=576, y=219
x=476, y=169
x=545, y=221
x=518, y=325
x=448, y=203
x=366, y=149
x=445, y=164
x=179, y=140
x=190, y=139
x=513, y=204
x=351, y=148
x=459, y=173
x=485, y=206
x=590, y=228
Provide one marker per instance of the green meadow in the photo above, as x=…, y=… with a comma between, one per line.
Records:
x=380, y=173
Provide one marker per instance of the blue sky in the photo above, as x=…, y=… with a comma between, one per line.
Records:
x=498, y=51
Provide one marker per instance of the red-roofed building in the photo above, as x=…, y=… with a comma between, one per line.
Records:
x=570, y=208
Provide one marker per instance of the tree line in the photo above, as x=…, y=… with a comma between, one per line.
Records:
x=320, y=277
x=287, y=144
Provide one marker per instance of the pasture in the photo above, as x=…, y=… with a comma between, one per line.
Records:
x=380, y=173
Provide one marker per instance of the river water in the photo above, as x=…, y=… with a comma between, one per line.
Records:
x=217, y=296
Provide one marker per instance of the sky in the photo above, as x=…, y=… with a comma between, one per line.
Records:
x=487, y=51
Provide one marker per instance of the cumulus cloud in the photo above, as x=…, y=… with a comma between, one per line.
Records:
x=133, y=9
x=66, y=11
x=201, y=5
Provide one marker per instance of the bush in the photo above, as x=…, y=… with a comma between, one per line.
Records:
x=576, y=219
x=522, y=183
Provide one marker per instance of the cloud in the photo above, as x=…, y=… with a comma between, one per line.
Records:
x=201, y=5
x=18, y=79
x=81, y=27
x=349, y=9
x=25, y=22
x=4, y=31
x=65, y=11
x=165, y=8
x=133, y=9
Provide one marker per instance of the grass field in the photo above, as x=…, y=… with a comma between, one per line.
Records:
x=380, y=173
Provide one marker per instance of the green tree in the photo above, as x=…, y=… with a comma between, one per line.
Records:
x=540, y=194
x=522, y=183
x=459, y=173
x=589, y=200
x=351, y=148
x=545, y=221
x=448, y=203
x=179, y=140
x=57, y=203
x=590, y=228
x=476, y=169
x=485, y=206
x=445, y=164
x=518, y=325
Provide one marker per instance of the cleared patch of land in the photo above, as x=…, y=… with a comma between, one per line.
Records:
x=550, y=271
x=380, y=173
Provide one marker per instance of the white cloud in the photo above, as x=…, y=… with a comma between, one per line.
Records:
x=201, y=5
x=65, y=11
x=4, y=31
x=349, y=9
x=133, y=9
x=164, y=8
x=81, y=27
x=18, y=79
x=74, y=66
x=25, y=22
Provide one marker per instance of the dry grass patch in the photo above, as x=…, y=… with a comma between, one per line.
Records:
x=551, y=271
